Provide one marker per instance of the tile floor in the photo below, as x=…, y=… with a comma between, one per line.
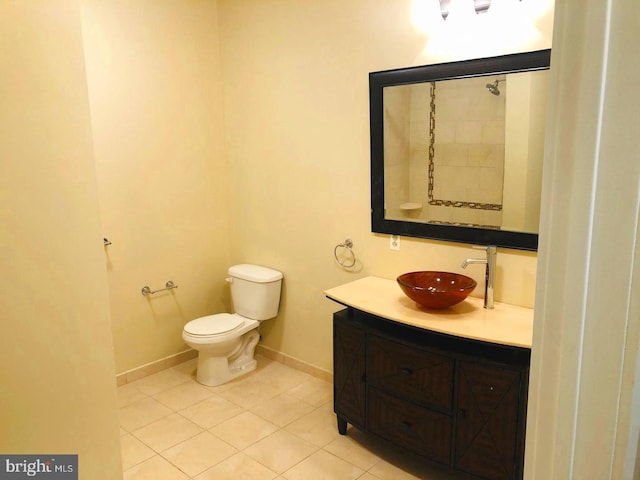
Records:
x=274, y=423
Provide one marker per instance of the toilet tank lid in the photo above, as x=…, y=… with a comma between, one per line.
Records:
x=254, y=273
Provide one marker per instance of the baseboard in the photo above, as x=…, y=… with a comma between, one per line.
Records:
x=294, y=363
x=154, y=367
x=178, y=358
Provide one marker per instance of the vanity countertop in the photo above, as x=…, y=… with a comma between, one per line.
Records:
x=505, y=324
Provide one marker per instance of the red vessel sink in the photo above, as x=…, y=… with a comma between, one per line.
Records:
x=436, y=289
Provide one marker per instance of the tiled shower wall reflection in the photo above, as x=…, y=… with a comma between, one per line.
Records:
x=469, y=150
x=487, y=150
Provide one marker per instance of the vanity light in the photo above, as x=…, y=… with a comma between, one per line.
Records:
x=462, y=29
x=466, y=7
x=460, y=11
x=503, y=8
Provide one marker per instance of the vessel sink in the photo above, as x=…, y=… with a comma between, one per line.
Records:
x=436, y=289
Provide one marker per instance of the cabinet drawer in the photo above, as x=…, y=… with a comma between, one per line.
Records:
x=416, y=375
x=416, y=428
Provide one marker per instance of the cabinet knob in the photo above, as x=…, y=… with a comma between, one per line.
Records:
x=462, y=414
x=406, y=372
x=406, y=425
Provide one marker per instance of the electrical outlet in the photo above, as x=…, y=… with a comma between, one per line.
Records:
x=394, y=242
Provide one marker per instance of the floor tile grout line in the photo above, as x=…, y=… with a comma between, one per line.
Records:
x=250, y=409
x=160, y=454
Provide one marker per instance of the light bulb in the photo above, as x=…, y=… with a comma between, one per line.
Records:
x=461, y=11
x=503, y=8
x=426, y=15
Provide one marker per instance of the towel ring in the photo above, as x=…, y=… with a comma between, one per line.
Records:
x=347, y=246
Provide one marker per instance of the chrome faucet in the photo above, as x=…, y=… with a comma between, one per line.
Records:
x=490, y=261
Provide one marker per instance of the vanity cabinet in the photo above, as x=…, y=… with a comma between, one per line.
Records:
x=455, y=401
x=349, y=374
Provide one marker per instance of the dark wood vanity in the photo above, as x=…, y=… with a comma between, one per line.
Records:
x=455, y=401
x=450, y=385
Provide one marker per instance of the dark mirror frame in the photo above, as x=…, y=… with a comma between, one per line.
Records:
x=520, y=62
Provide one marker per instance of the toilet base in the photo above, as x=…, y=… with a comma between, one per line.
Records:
x=216, y=370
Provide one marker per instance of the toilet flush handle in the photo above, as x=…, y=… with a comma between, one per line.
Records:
x=229, y=279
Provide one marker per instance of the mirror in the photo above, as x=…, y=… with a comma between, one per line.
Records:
x=457, y=148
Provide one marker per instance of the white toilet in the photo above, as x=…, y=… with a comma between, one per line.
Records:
x=226, y=341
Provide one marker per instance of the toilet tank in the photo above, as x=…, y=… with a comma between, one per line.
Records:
x=255, y=291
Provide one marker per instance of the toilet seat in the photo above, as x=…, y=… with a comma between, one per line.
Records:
x=214, y=325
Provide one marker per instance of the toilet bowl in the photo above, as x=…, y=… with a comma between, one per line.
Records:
x=226, y=342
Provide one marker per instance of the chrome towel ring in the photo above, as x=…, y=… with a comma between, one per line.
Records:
x=345, y=263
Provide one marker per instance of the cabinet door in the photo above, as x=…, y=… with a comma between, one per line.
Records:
x=349, y=387
x=487, y=425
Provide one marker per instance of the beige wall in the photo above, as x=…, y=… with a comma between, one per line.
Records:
x=57, y=388
x=297, y=132
x=153, y=76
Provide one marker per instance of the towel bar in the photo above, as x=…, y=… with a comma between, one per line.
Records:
x=146, y=290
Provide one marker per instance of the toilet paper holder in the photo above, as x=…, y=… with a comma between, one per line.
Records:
x=146, y=290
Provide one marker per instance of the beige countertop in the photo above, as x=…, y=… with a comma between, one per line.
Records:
x=505, y=324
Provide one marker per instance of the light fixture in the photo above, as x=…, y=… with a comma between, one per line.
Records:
x=461, y=12
x=450, y=6
x=479, y=28
x=502, y=8
x=480, y=6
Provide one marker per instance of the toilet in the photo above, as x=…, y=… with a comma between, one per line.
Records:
x=226, y=341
